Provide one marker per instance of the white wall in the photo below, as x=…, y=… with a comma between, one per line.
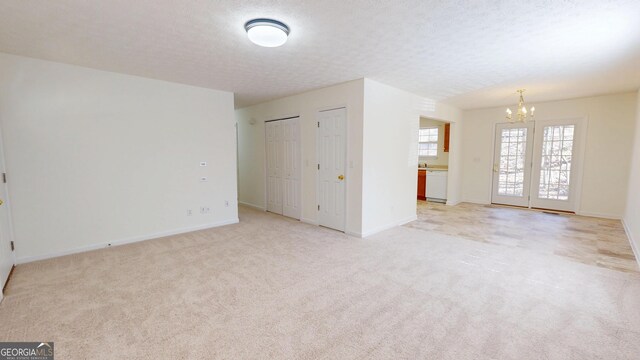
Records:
x=632, y=213
x=443, y=157
x=95, y=157
x=608, y=148
x=390, y=154
x=390, y=157
x=251, y=147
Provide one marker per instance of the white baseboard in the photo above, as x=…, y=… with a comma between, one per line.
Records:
x=27, y=259
x=353, y=233
x=252, y=206
x=632, y=242
x=309, y=221
x=389, y=226
x=477, y=201
x=599, y=215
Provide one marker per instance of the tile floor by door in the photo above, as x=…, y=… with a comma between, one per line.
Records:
x=589, y=240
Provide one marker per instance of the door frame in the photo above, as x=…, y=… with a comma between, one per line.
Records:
x=7, y=203
x=579, y=149
x=529, y=155
x=266, y=160
x=347, y=172
x=583, y=122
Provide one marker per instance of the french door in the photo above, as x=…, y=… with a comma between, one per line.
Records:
x=512, y=164
x=536, y=165
x=332, y=128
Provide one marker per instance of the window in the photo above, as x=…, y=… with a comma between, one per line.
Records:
x=428, y=142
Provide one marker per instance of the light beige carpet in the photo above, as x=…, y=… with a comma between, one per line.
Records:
x=273, y=288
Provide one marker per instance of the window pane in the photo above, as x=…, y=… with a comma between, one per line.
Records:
x=428, y=142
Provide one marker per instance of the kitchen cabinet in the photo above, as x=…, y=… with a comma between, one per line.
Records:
x=422, y=185
x=447, y=132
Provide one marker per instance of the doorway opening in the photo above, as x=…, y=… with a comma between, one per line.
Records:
x=433, y=160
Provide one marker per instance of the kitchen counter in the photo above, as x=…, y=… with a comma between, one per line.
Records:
x=433, y=169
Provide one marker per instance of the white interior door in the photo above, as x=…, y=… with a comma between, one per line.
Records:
x=331, y=170
x=292, y=171
x=512, y=164
x=556, y=165
x=275, y=154
x=6, y=254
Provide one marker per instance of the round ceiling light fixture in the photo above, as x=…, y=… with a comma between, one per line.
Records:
x=267, y=32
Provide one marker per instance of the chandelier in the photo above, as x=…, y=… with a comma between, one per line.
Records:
x=522, y=111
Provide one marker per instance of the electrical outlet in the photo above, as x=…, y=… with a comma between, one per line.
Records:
x=204, y=210
x=189, y=212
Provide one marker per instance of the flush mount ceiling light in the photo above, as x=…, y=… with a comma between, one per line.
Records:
x=267, y=32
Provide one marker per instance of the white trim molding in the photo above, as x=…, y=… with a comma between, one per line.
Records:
x=477, y=201
x=28, y=259
x=258, y=207
x=309, y=221
x=635, y=249
x=599, y=215
x=388, y=226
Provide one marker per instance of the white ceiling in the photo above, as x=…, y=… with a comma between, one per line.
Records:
x=471, y=54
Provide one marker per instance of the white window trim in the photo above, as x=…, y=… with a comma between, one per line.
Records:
x=429, y=142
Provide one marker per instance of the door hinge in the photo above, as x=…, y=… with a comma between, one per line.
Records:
x=4, y=178
x=318, y=166
x=318, y=123
x=12, y=246
x=318, y=207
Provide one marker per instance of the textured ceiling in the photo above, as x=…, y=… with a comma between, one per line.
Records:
x=468, y=53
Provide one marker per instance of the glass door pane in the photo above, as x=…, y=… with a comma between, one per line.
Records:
x=555, y=165
x=512, y=162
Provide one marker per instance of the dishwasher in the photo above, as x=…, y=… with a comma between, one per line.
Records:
x=437, y=185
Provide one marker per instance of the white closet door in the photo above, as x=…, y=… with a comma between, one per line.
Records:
x=332, y=158
x=274, y=134
x=292, y=171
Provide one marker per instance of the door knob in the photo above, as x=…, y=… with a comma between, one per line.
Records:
x=1, y=202
x=340, y=177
